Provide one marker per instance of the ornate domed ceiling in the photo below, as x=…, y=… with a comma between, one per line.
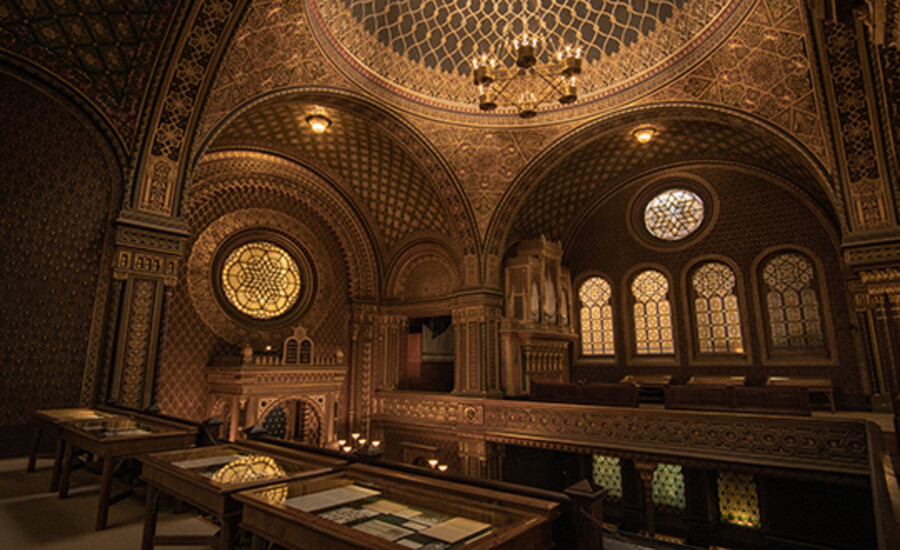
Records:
x=417, y=54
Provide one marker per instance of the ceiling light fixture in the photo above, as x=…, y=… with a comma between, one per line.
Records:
x=644, y=134
x=318, y=121
x=528, y=83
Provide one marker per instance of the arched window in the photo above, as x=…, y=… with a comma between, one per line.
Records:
x=792, y=303
x=652, y=314
x=596, y=318
x=718, y=319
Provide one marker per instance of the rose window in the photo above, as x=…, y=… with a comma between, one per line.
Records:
x=673, y=214
x=261, y=280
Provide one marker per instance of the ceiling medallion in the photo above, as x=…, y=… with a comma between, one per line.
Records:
x=544, y=80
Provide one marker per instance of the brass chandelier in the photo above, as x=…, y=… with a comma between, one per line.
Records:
x=537, y=82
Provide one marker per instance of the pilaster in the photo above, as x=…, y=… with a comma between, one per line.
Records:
x=476, y=334
x=147, y=260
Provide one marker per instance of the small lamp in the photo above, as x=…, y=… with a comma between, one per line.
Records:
x=318, y=121
x=644, y=134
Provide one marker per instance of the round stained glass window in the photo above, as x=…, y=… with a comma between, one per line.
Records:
x=261, y=280
x=673, y=214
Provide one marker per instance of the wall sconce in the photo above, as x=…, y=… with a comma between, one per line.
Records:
x=318, y=121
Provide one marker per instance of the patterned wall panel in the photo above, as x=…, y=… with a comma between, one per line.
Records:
x=763, y=69
x=60, y=184
x=865, y=187
x=196, y=329
x=594, y=163
x=388, y=179
x=104, y=49
x=271, y=49
x=754, y=215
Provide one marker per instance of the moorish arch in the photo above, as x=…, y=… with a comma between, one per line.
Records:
x=400, y=179
x=559, y=186
x=222, y=170
x=424, y=268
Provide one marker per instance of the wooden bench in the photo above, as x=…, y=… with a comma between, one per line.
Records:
x=812, y=385
x=760, y=399
x=651, y=387
x=608, y=395
x=715, y=380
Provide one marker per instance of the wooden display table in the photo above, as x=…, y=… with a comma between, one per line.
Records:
x=812, y=385
x=114, y=438
x=207, y=477
x=651, y=387
x=371, y=508
x=47, y=422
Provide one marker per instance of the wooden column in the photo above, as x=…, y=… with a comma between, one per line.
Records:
x=476, y=335
x=363, y=320
x=645, y=472
x=391, y=349
x=146, y=261
x=479, y=458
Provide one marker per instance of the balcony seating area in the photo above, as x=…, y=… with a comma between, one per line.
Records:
x=780, y=394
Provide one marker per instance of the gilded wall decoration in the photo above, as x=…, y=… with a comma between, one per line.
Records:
x=178, y=106
x=54, y=261
x=283, y=177
x=487, y=161
x=561, y=185
x=393, y=183
x=630, y=48
x=424, y=271
x=271, y=49
x=330, y=290
x=106, y=50
x=868, y=206
x=137, y=343
x=763, y=69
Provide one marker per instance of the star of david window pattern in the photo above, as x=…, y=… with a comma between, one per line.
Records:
x=652, y=314
x=596, y=318
x=261, y=280
x=792, y=303
x=668, y=487
x=738, y=500
x=673, y=214
x=716, y=309
x=607, y=473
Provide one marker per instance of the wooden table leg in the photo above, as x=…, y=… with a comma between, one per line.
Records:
x=32, y=456
x=258, y=542
x=105, y=488
x=66, y=470
x=57, y=464
x=150, y=513
x=226, y=534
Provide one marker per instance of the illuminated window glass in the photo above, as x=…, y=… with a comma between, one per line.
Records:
x=596, y=318
x=652, y=314
x=261, y=280
x=738, y=500
x=716, y=309
x=668, y=486
x=673, y=214
x=792, y=303
x=608, y=474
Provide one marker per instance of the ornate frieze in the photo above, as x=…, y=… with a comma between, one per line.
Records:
x=817, y=444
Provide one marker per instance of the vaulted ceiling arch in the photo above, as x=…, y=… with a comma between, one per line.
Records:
x=557, y=187
x=400, y=179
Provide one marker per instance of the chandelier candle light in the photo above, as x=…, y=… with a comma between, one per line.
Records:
x=556, y=78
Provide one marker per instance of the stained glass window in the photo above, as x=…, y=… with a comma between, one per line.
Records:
x=673, y=214
x=668, y=486
x=652, y=314
x=608, y=474
x=275, y=422
x=716, y=309
x=792, y=303
x=739, y=500
x=261, y=280
x=596, y=318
